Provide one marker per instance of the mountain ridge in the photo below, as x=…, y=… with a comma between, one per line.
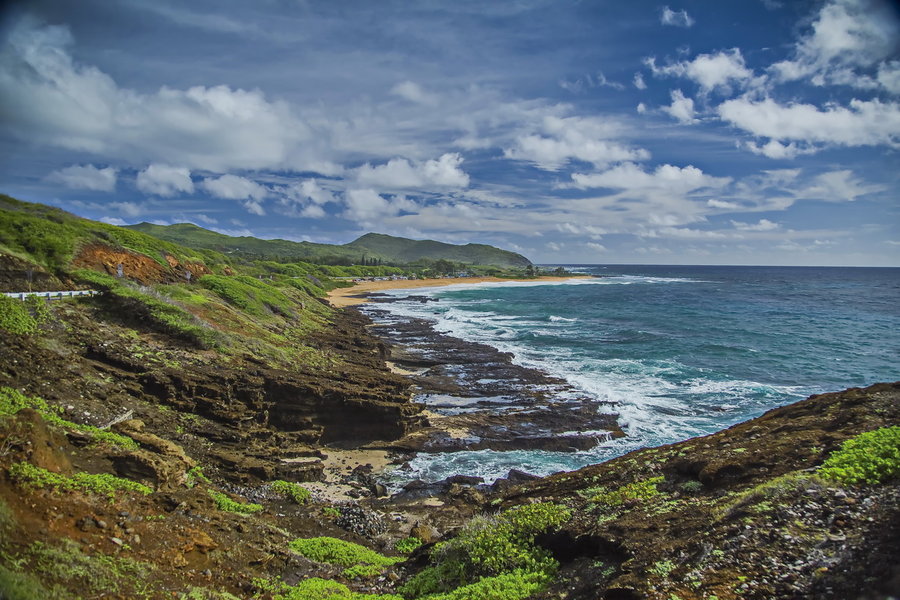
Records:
x=370, y=246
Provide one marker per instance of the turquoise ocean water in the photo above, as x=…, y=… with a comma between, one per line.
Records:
x=680, y=351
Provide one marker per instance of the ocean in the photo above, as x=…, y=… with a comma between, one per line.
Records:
x=679, y=351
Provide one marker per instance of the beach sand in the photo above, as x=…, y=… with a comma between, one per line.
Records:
x=350, y=296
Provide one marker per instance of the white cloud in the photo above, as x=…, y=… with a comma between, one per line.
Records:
x=579, y=138
x=639, y=81
x=681, y=108
x=774, y=149
x=165, y=180
x=86, y=177
x=400, y=173
x=48, y=98
x=864, y=123
x=761, y=225
x=641, y=108
x=367, y=205
x=678, y=18
x=234, y=187
x=113, y=221
x=596, y=247
x=413, y=92
x=709, y=71
x=305, y=199
x=846, y=38
x=669, y=178
x=838, y=186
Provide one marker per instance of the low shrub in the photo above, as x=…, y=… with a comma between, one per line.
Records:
x=869, y=458
x=15, y=318
x=31, y=476
x=294, y=491
x=339, y=552
x=226, y=504
x=316, y=588
x=12, y=401
x=407, y=545
x=638, y=490
x=490, y=546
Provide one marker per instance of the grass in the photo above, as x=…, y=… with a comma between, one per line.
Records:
x=795, y=482
x=30, y=476
x=226, y=504
x=12, y=401
x=869, y=458
x=636, y=491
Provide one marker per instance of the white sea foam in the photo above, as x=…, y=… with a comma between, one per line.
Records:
x=555, y=319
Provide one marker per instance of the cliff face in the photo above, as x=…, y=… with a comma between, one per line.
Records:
x=738, y=514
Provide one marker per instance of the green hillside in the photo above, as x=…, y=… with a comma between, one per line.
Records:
x=372, y=246
x=405, y=251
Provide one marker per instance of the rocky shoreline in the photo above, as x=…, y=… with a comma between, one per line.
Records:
x=478, y=398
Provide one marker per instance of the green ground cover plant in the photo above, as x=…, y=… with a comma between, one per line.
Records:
x=12, y=401
x=226, y=504
x=294, y=491
x=31, y=476
x=339, y=552
x=407, y=545
x=316, y=588
x=870, y=458
x=491, y=546
x=638, y=490
x=15, y=317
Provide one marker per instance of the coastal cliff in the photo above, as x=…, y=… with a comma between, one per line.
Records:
x=221, y=435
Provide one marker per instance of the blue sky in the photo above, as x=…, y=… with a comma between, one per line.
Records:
x=698, y=132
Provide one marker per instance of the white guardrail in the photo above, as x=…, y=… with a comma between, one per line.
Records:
x=52, y=295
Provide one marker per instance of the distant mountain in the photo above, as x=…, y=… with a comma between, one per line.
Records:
x=403, y=250
x=371, y=246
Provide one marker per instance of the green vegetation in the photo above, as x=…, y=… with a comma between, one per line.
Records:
x=12, y=401
x=294, y=491
x=15, y=318
x=155, y=308
x=195, y=475
x=31, y=476
x=487, y=547
x=316, y=588
x=407, y=545
x=51, y=237
x=662, y=568
x=249, y=294
x=339, y=552
x=226, y=504
x=639, y=490
x=70, y=568
x=785, y=485
x=370, y=250
x=869, y=458
x=330, y=511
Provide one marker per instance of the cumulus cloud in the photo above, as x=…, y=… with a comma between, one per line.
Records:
x=165, y=180
x=864, y=123
x=86, y=177
x=48, y=98
x=367, y=205
x=579, y=138
x=847, y=38
x=234, y=187
x=682, y=108
x=629, y=176
x=400, y=173
x=709, y=71
x=676, y=18
x=305, y=199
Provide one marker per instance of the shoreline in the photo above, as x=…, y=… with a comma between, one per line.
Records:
x=353, y=296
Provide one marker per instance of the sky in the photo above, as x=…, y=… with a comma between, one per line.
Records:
x=760, y=132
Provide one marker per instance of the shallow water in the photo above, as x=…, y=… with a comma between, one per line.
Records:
x=680, y=351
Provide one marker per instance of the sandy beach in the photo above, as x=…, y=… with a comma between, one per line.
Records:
x=351, y=296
